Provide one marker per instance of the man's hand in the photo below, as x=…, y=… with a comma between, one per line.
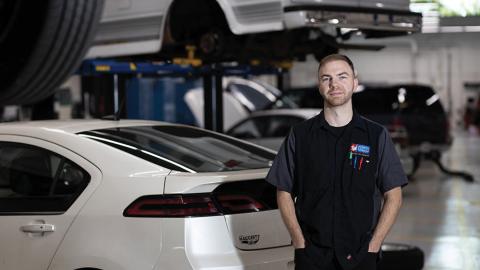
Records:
x=299, y=242
x=374, y=247
x=287, y=209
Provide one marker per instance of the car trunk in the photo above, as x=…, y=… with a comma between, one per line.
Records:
x=246, y=201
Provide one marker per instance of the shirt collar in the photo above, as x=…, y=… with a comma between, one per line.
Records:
x=357, y=121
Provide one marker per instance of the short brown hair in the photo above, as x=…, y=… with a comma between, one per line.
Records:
x=336, y=57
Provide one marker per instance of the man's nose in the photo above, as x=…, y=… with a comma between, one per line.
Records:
x=333, y=82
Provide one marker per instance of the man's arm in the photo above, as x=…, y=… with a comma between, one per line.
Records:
x=391, y=207
x=287, y=209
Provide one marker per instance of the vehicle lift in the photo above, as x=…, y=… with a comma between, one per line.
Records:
x=211, y=74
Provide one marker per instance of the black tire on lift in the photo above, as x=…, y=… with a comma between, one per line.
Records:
x=58, y=42
x=401, y=257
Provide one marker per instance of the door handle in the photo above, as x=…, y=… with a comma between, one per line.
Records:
x=38, y=228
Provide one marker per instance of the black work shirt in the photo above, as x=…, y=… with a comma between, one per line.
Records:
x=389, y=172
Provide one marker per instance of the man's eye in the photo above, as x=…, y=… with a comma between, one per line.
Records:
x=343, y=77
x=325, y=79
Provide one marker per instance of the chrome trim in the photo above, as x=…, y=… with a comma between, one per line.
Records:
x=373, y=21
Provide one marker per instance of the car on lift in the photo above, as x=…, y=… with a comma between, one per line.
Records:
x=134, y=194
x=231, y=30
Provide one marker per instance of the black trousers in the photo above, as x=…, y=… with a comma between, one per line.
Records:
x=304, y=262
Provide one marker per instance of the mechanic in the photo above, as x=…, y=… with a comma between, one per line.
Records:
x=332, y=174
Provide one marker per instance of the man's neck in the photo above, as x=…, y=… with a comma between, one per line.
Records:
x=338, y=116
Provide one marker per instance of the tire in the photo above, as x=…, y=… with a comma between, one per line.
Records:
x=401, y=257
x=212, y=43
x=49, y=42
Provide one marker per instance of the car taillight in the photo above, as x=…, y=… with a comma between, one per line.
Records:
x=192, y=205
x=232, y=204
x=172, y=206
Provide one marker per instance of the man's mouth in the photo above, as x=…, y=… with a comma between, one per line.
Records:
x=335, y=93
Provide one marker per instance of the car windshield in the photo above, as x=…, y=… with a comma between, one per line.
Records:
x=184, y=148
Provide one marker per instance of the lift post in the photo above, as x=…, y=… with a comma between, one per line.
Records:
x=208, y=102
x=218, y=101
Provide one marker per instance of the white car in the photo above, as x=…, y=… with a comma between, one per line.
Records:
x=97, y=194
x=244, y=30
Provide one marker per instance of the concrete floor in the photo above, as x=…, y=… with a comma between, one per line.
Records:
x=441, y=213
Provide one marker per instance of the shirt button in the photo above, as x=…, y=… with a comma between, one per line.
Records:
x=349, y=257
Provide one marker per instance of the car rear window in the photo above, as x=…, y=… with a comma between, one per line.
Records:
x=184, y=148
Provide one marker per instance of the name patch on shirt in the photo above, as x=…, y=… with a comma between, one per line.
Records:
x=360, y=149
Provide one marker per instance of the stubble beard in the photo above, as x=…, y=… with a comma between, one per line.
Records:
x=337, y=101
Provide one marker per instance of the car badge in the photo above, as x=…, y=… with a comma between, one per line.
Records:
x=249, y=239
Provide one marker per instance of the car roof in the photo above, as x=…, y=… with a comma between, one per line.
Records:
x=64, y=133
x=72, y=126
x=306, y=113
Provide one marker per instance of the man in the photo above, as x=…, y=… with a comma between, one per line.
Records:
x=332, y=173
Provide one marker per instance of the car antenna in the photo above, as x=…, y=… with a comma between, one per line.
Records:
x=116, y=115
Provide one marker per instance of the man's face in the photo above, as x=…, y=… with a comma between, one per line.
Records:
x=337, y=83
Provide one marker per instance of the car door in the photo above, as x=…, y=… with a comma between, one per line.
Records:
x=42, y=188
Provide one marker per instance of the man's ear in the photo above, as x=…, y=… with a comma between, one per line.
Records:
x=355, y=83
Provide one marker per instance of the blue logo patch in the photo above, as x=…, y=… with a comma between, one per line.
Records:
x=363, y=149
x=360, y=149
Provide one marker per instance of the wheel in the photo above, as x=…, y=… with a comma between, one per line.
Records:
x=212, y=43
x=401, y=257
x=41, y=44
